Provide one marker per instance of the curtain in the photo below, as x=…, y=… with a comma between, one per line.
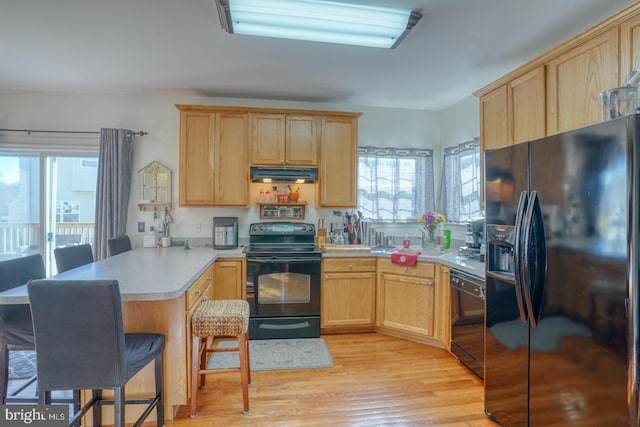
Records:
x=115, y=164
x=459, y=195
x=394, y=184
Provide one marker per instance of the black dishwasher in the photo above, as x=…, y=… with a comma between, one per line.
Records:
x=467, y=320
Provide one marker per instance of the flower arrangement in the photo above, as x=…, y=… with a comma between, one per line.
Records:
x=166, y=220
x=430, y=221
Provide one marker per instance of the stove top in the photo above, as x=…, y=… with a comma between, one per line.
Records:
x=281, y=237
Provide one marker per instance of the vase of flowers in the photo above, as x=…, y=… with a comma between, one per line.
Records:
x=430, y=222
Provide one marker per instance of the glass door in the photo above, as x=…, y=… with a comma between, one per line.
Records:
x=46, y=201
x=19, y=206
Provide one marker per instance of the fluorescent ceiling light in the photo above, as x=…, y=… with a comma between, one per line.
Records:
x=318, y=20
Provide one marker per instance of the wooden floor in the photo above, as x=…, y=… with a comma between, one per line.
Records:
x=375, y=380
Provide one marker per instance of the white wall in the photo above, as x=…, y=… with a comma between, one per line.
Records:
x=157, y=115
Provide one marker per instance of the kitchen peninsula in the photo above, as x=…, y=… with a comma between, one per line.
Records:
x=160, y=289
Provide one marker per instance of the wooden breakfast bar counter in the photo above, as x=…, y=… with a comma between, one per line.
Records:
x=156, y=287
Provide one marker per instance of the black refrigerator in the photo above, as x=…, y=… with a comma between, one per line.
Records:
x=561, y=332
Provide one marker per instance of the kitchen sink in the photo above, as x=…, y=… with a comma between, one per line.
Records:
x=383, y=248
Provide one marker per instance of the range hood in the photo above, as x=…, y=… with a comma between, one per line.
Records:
x=275, y=174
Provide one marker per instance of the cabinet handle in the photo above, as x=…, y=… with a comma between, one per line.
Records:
x=350, y=266
x=445, y=270
x=282, y=161
x=204, y=298
x=286, y=162
x=197, y=292
x=326, y=276
x=405, y=269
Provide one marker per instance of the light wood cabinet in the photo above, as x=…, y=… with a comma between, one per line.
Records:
x=196, y=158
x=348, y=294
x=231, y=278
x=213, y=158
x=409, y=303
x=629, y=47
x=526, y=98
x=283, y=140
x=576, y=78
x=514, y=112
x=338, y=174
x=494, y=122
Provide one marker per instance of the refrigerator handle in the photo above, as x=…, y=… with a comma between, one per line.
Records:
x=517, y=251
x=533, y=286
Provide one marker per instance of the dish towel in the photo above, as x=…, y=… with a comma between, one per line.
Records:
x=408, y=259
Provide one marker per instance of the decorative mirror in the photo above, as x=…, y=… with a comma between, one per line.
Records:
x=155, y=187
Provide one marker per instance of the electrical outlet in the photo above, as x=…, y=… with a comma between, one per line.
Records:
x=198, y=227
x=140, y=226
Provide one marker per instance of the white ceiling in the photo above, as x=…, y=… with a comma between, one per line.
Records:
x=178, y=46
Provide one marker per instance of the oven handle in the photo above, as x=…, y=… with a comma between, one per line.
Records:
x=281, y=260
x=287, y=326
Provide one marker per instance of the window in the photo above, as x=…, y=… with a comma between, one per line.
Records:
x=460, y=184
x=395, y=185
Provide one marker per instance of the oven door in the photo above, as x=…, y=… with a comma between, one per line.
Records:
x=284, y=297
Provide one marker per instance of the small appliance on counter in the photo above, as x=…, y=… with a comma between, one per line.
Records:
x=225, y=232
x=474, y=240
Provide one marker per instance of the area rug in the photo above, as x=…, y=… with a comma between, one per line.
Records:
x=280, y=354
x=22, y=364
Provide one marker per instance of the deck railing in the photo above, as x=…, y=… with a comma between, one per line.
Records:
x=21, y=237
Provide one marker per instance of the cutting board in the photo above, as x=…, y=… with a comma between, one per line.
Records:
x=346, y=248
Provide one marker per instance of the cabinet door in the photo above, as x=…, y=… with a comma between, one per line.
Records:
x=268, y=139
x=348, y=299
x=527, y=107
x=301, y=146
x=629, y=47
x=576, y=79
x=230, y=279
x=407, y=304
x=196, y=158
x=231, y=170
x=494, y=131
x=338, y=162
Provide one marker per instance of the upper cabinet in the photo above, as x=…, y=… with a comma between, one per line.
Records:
x=494, y=132
x=514, y=112
x=576, y=79
x=213, y=158
x=283, y=140
x=560, y=89
x=217, y=145
x=338, y=172
x=629, y=47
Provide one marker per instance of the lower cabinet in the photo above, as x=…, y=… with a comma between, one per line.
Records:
x=231, y=279
x=409, y=302
x=348, y=295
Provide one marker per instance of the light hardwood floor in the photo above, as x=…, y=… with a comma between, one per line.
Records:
x=376, y=380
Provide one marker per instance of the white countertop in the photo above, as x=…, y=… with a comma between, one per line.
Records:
x=146, y=274
x=449, y=258
x=143, y=274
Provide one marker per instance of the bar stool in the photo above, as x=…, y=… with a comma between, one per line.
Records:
x=81, y=344
x=219, y=318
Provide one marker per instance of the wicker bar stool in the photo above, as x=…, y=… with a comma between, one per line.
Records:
x=219, y=318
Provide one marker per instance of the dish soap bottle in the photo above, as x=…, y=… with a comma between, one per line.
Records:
x=406, y=243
